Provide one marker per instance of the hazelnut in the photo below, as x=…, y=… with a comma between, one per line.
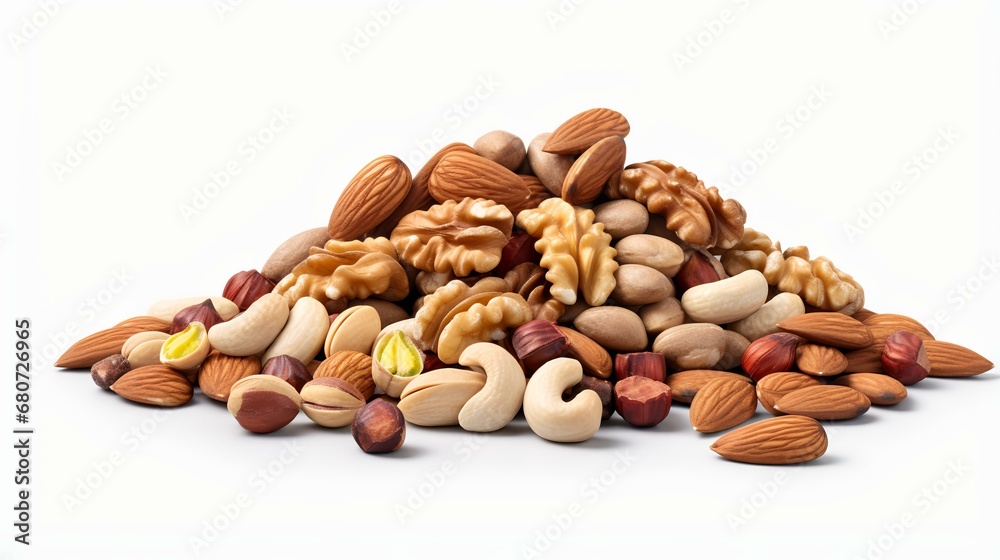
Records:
x=379, y=427
x=905, y=358
x=109, y=370
x=537, y=342
x=697, y=270
x=331, y=401
x=263, y=403
x=645, y=364
x=289, y=369
x=246, y=287
x=770, y=354
x=642, y=401
x=203, y=313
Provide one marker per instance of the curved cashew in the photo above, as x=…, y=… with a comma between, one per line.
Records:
x=304, y=332
x=253, y=330
x=764, y=321
x=167, y=308
x=497, y=403
x=552, y=418
x=726, y=300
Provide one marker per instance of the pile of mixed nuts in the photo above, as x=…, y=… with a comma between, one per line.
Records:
x=551, y=279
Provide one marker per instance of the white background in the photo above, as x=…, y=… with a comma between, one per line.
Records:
x=66, y=237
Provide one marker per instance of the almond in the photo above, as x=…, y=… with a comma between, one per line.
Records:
x=459, y=175
x=156, y=385
x=418, y=197
x=94, y=348
x=353, y=367
x=882, y=325
x=865, y=360
x=592, y=356
x=880, y=389
x=775, y=441
x=722, y=404
x=863, y=314
x=586, y=129
x=830, y=328
x=777, y=385
x=824, y=402
x=537, y=190
x=684, y=385
x=219, y=372
x=371, y=196
x=817, y=359
x=589, y=173
x=951, y=360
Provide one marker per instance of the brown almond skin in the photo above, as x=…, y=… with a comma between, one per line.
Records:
x=882, y=325
x=219, y=372
x=586, y=177
x=369, y=198
x=722, y=404
x=817, y=359
x=585, y=129
x=94, y=348
x=684, y=385
x=641, y=401
x=824, y=402
x=785, y=440
x=880, y=389
x=951, y=360
x=596, y=361
x=353, y=367
x=777, y=385
x=156, y=385
x=829, y=328
x=379, y=427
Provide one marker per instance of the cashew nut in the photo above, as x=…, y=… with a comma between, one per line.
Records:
x=726, y=300
x=546, y=412
x=764, y=321
x=304, y=332
x=253, y=330
x=167, y=308
x=497, y=403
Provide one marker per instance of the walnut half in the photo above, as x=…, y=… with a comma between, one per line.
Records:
x=458, y=237
x=575, y=251
x=347, y=270
x=817, y=281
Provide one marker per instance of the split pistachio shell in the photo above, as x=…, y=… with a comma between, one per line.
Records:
x=140, y=337
x=554, y=419
x=187, y=349
x=435, y=398
x=145, y=353
x=396, y=361
x=303, y=334
x=497, y=404
x=331, y=402
x=354, y=329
